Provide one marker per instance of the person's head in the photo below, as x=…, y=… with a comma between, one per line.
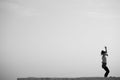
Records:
x=103, y=53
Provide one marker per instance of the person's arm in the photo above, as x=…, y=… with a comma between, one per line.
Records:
x=105, y=49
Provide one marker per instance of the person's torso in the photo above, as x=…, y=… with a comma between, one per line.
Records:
x=104, y=60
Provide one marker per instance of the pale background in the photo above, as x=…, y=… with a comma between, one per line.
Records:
x=58, y=38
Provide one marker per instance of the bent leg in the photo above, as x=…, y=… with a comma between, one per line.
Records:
x=107, y=71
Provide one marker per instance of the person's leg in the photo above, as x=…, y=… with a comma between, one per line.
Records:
x=107, y=71
x=103, y=66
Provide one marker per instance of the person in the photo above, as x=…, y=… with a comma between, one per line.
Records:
x=104, y=61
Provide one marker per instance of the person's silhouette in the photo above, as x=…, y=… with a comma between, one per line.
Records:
x=104, y=61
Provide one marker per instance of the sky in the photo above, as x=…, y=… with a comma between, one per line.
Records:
x=58, y=38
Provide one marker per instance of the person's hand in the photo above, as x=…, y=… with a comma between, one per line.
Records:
x=105, y=47
x=106, y=54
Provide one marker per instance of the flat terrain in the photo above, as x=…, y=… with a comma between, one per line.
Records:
x=82, y=78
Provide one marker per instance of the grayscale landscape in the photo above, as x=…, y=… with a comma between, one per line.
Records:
x=59, y=38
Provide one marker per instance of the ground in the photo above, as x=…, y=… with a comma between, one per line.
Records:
x=82, y=78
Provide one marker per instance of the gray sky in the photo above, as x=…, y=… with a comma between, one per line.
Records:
x=58, y=38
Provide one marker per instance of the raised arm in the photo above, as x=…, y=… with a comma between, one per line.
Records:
x=105, y=49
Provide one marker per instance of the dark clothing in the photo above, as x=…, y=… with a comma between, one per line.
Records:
x=106, y=69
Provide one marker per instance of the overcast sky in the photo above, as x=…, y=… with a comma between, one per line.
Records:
x=58, y=38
